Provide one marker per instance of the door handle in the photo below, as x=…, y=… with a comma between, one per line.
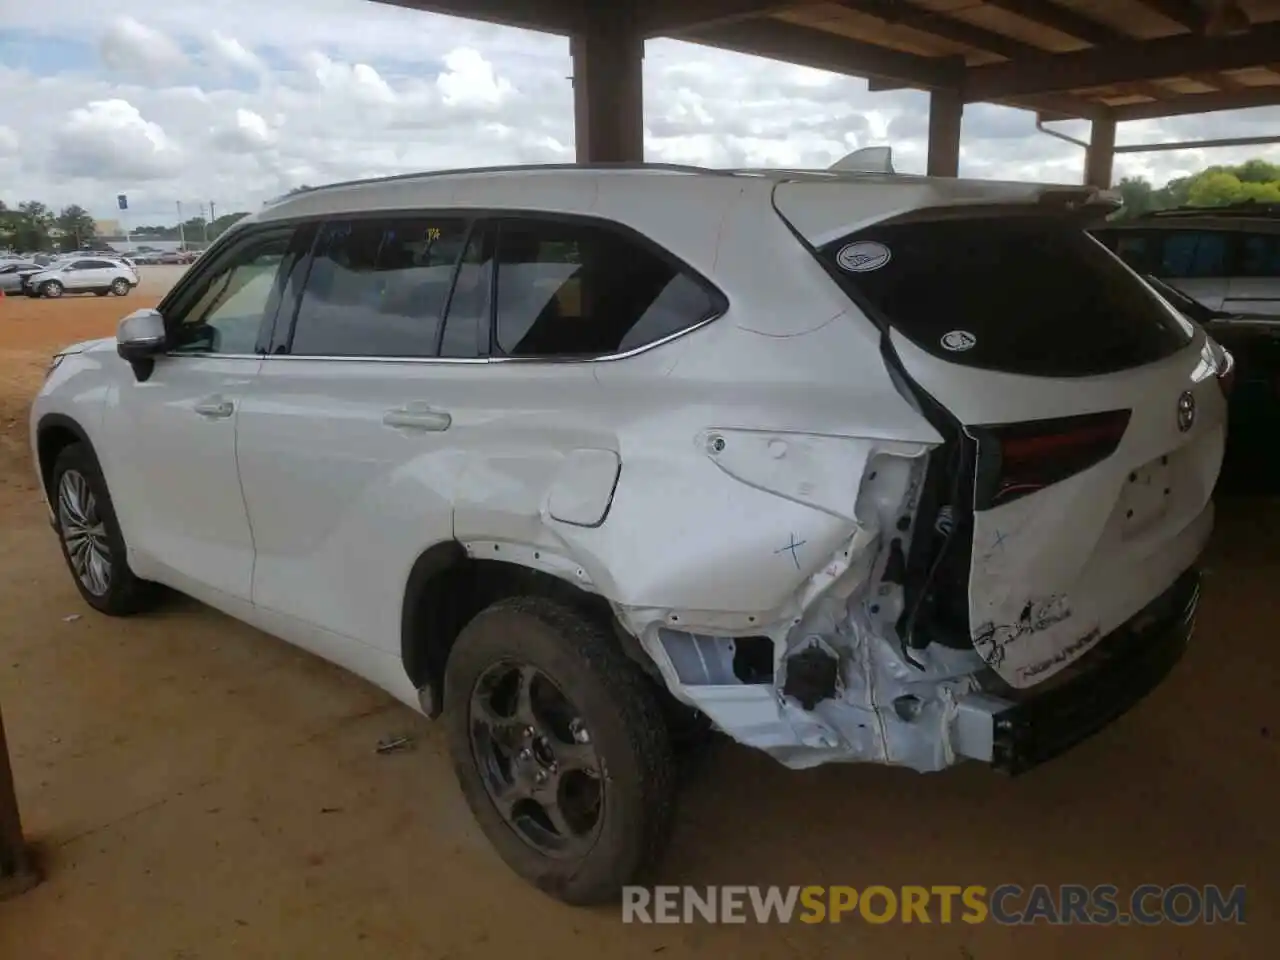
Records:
x=215, y=408
x=417, y=417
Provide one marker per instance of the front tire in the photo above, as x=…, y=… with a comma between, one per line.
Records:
x=51, y=289
x=560, y=748
x=89, y=534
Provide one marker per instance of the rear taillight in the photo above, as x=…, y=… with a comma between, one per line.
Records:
x=1017, y=459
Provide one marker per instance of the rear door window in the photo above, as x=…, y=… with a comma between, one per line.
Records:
x=1018, y=294
x=378, y=288
x=574, y=289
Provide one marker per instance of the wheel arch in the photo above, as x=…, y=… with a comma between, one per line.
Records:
x=447, y=588
x=54, y=433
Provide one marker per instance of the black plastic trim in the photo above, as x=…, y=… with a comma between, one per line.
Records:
x=1119, y=672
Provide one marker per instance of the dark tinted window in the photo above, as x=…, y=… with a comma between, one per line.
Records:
x=1138, y=250
x=1036, y=295
x=1259, y=255
x=572, y=289
x=466, y=327
x=81, y=265
x=377, y=288
x=1193, y=253
x=103, y=264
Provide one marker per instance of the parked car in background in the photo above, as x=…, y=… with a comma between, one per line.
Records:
x=12, y=272
x=931, y=487
x=81, y=275
x=1252, y=462
x=1227, y=258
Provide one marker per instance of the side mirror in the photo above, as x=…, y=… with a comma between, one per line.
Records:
x=140, y=338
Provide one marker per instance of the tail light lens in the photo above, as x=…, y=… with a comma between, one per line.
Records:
x=1018, y=459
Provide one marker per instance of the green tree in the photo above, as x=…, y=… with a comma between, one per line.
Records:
x=32, y=226
x=1215, y=188
x=77, y=226
x=1258, y=171
x=224, y=222
x=1137, y=194
x=8, y=226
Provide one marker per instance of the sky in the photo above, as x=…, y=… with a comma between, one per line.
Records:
x=233, y=102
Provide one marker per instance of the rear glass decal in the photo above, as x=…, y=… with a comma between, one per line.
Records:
x=863, y=256
x=958, y=340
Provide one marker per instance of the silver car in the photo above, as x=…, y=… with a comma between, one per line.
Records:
x=12, y=272
x=82, y=275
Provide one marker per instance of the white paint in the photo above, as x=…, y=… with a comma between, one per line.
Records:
x=583, y=487
x=753, y=470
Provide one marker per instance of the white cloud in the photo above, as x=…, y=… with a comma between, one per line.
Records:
x=357, y=80
x=231, y=53
x=111, y=139
x=237, y=101
x=469, y=80
x=131, y=47
x=249, y=131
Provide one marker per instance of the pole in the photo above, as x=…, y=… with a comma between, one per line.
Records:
x=182, y=233
x=212, y=214
x=17, y=872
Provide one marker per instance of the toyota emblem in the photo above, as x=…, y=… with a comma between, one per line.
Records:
x=1186, y=411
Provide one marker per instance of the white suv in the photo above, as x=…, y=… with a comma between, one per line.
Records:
x=82, y=275
x=859, y=467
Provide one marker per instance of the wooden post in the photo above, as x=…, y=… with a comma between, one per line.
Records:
x=17, y=871
x=946, y=112
x=608, y=87
x=1101, y=154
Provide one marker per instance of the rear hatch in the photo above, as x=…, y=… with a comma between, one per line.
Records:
x=1090, y=423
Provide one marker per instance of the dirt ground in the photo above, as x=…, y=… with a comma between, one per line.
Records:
x=196, y=789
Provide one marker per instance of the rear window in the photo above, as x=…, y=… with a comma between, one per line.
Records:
x=1025, y=295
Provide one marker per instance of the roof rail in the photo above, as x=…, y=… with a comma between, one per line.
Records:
x=506, y=168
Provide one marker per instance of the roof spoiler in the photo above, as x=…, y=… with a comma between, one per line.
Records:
x=866, y=160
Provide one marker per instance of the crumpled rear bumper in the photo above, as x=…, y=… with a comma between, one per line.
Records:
x=1033, y=726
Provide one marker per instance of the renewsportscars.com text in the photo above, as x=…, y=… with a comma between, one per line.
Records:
x=1009, y=904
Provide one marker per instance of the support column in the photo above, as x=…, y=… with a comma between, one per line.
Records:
x=17, y=873
x=608, y=90
x=1100, y=156
x=946, y=109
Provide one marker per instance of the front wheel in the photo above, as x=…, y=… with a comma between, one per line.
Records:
x=51, y=289
x=120, y=287
x=90, y=536
x=560, y=748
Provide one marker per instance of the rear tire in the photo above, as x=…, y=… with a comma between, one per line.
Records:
x=120, y=287
x=90, y=537
x=584, y=749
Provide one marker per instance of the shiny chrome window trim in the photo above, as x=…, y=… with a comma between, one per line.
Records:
x=603, y=358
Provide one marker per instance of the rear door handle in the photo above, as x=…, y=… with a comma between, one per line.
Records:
x=215, y=408
x=413, y=416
